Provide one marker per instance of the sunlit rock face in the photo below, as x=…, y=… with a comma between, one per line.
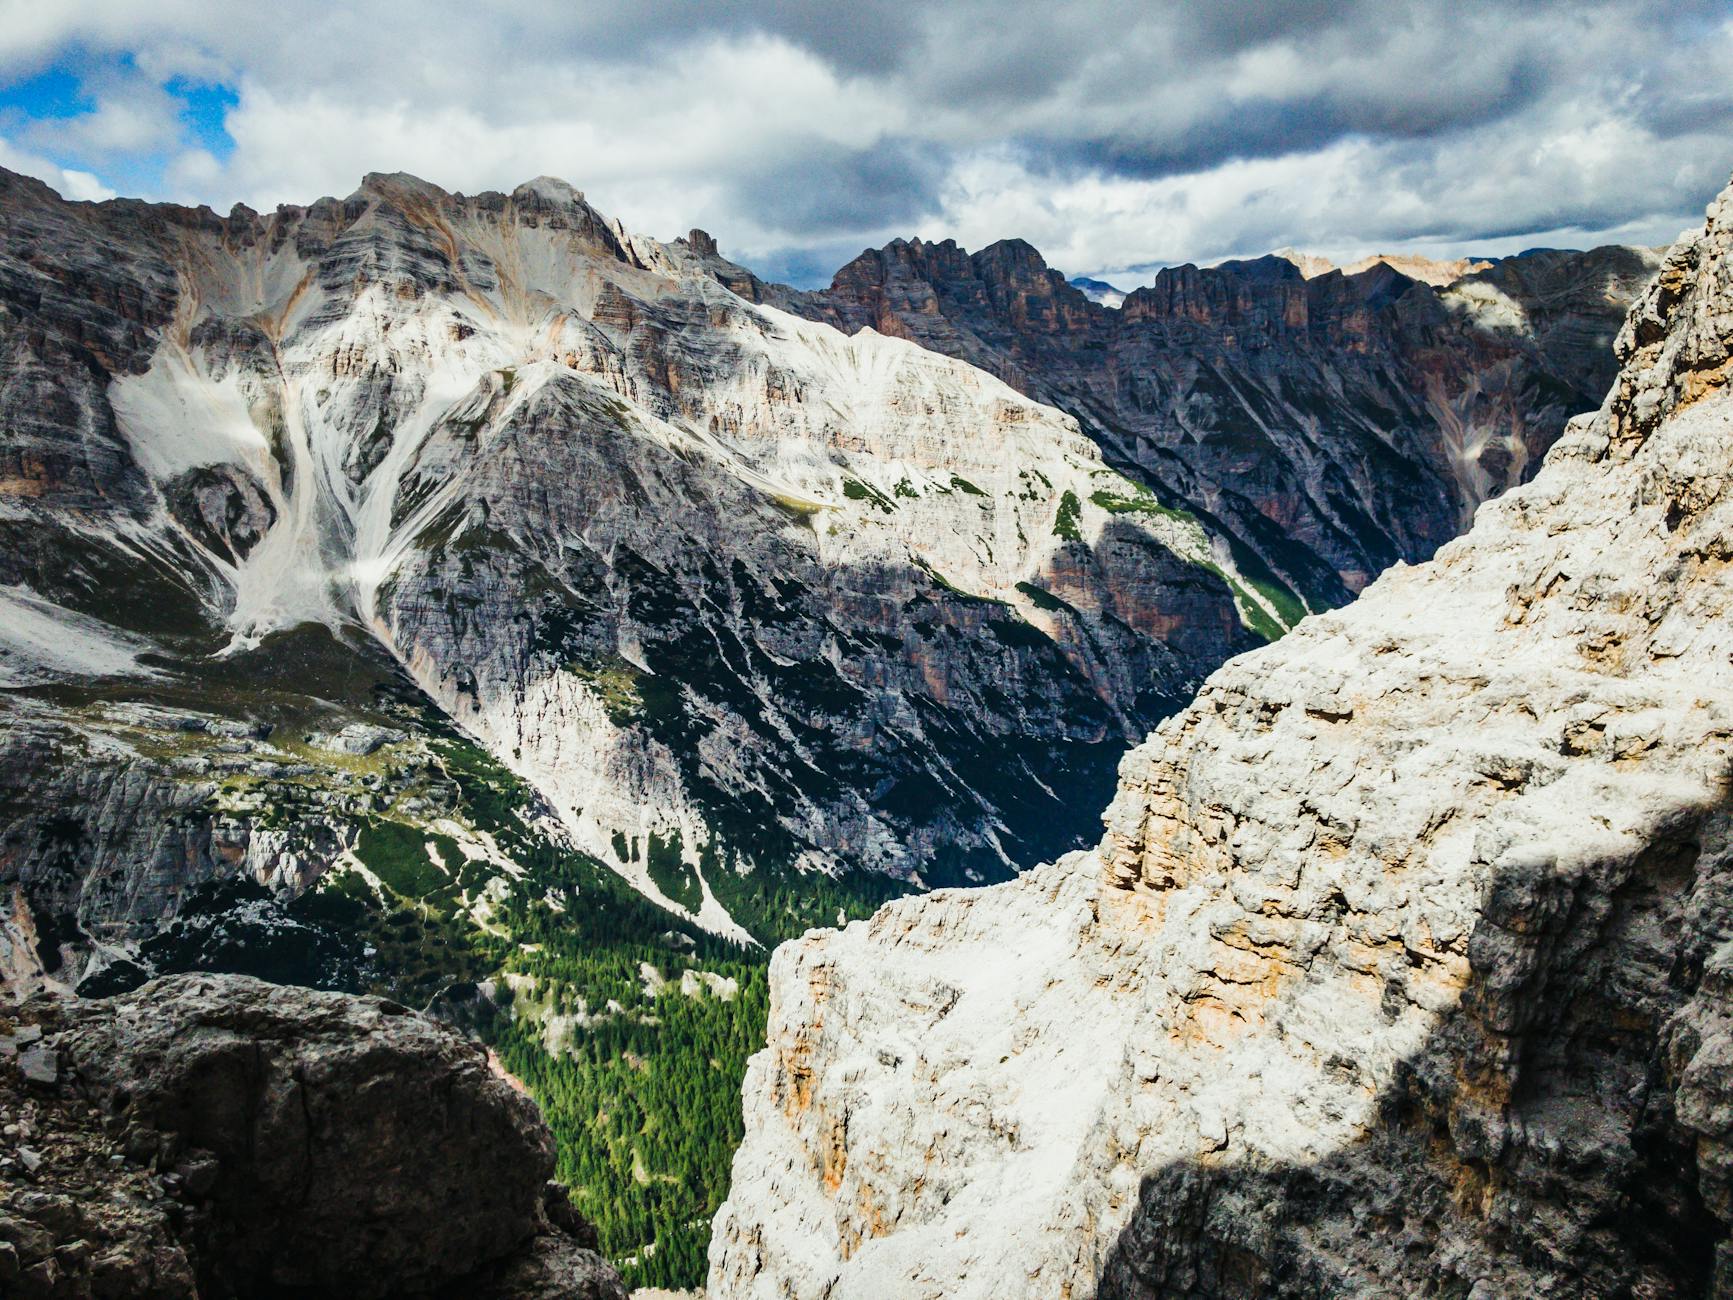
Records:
x=1403, y=967
x=1326, y=422
x=692, y=566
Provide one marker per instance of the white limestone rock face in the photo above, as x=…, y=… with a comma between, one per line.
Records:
x=1401, y=967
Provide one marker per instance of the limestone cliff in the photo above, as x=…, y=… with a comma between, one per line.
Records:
x=1403, y=967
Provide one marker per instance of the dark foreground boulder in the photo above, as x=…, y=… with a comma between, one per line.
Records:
x=284, y=1142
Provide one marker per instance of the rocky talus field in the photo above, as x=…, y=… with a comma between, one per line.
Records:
x=1404, y=967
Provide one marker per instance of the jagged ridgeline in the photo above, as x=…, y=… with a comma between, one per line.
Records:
x=465, y=599
x=1322, y=422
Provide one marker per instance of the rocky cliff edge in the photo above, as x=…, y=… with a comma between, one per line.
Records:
x=217, y=1136
x=1403, y=966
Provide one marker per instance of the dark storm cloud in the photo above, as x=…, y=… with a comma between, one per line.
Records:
x=793, y=129
x=891, y=183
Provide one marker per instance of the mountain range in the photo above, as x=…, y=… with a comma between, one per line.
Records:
x=467, y=599
x=1401, y=968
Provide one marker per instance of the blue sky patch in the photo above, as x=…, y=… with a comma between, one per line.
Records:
x=54, y=93
x=207, y=107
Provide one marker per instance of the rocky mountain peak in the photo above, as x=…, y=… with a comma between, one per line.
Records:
x=347, y=416
x=550, y=189
x=1676, y=348
x=1322, y=422
x=1413, y=929
x=399, y=185
x=1436, y=272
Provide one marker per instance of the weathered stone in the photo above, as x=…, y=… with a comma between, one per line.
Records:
x=1403, y=965
x=38, y=1066
x=552, y=1267
x=321, y=1112
x=331, y=1143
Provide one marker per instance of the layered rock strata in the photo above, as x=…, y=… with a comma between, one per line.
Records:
x=1403, y=966
x=1323, y=422
x=695, y=568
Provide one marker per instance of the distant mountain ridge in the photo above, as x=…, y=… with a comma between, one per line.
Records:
x=1321, y=427
x=1098, y=291
x=735, y=593
x=1436, y=272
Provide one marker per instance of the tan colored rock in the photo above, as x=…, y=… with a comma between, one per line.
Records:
x=1399, y=970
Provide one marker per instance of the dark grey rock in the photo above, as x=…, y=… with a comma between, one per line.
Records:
x=341, y=1144
x=38, y=1066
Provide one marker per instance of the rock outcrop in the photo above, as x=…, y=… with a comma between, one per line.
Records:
x=1323, y=422
x=216, y=1136
x=1403, y=967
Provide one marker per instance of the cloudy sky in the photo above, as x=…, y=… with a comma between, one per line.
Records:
x=1115, y=137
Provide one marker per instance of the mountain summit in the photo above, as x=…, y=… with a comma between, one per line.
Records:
x=735, y=594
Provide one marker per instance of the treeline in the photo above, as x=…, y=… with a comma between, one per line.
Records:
x=645, y=1107
x=642, y=1087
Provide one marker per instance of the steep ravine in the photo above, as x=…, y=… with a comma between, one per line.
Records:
x=1404, y=966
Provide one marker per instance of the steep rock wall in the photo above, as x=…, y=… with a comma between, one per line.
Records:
x=696, y=568
x=1401, y=969
x=1327, y=424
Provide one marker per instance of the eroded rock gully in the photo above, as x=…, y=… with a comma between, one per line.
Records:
x=1402, y=968
x=690, y=566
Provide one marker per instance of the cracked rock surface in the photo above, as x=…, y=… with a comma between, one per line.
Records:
x=1403, y=965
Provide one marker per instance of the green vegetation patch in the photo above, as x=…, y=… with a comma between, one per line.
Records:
x=1041, y=598
x=855, y=490
x=1257, y=617
x=618, y=683
x=665, y=862
x=1287, y=604
x=400, y=856
x=1070, y=511
x=646, y=1108
x=1143, y=503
